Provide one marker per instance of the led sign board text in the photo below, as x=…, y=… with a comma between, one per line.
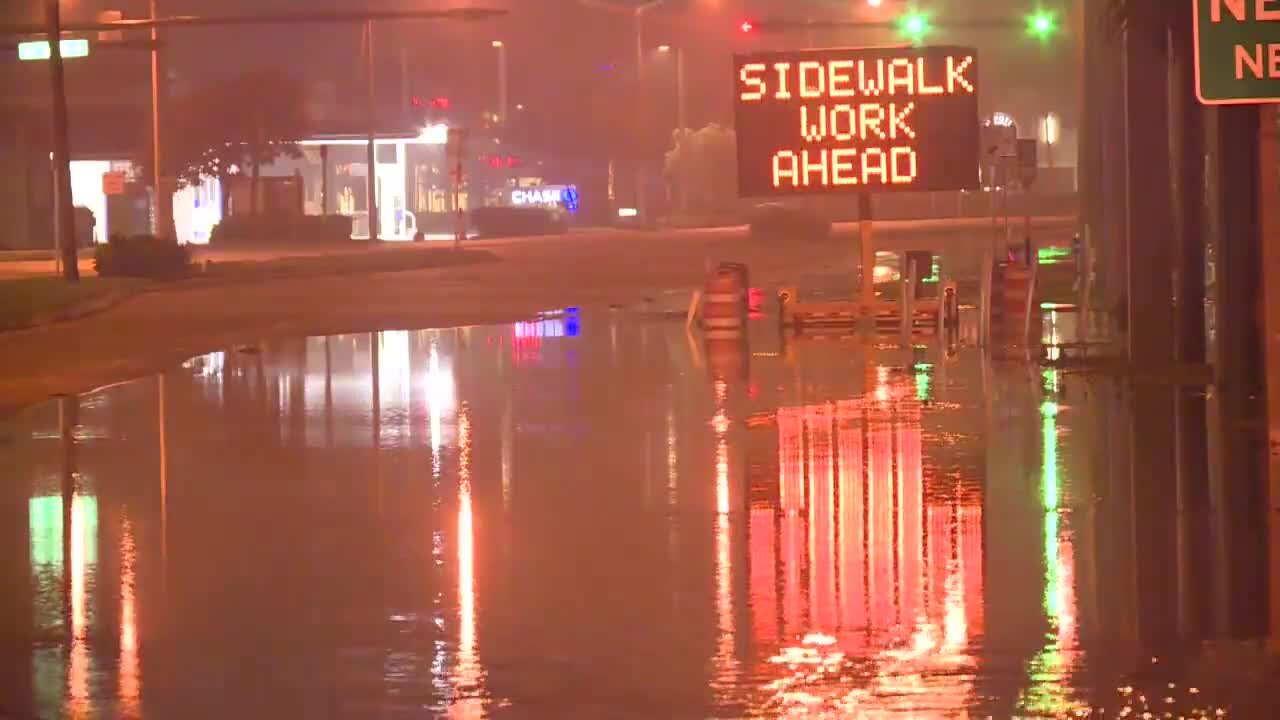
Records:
x=861, y=119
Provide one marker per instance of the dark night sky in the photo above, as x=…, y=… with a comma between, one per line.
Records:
x=557, y=49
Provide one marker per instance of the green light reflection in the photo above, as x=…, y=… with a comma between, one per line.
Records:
x=924, y=383
x=44, y=515
x=1047, y=693
x=1049, y=472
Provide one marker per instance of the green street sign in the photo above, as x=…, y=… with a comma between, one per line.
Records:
x=1237, y=51
x=40, y=49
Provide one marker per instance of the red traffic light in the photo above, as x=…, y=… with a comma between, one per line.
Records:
x=747, y=26
x=504, y=161
x=436, y=103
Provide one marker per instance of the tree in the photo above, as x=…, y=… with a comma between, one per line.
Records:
x=703, y=165
x=235, y=124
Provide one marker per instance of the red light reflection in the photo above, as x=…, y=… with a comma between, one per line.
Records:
x=871, y=566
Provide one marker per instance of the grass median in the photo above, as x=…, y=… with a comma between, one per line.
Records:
x=26, y=302
x=33, y=301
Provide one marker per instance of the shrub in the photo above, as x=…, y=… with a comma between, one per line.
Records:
x=142, y=256
x=499, y=221
x=281, y=227
x=438, y=222
x=325, y=228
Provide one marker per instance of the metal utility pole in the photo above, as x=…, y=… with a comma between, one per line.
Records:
x=502, y=82
x=164, y=204
x=324, y=179
x=682, y=119
x=682, y=108
x=64, y=212
x=370, y=154
x=640, y=175
x=406, y=92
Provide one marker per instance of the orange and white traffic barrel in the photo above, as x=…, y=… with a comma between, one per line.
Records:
x=724, y=303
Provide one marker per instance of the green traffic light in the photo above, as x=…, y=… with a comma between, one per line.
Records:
x=1042, y=24
x=914, y=25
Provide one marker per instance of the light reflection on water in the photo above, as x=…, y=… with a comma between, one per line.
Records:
x=895, y=581
x=480, y=528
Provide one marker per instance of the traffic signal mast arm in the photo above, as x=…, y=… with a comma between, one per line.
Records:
x=1040, y=23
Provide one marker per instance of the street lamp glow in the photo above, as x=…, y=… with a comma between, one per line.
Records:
x=875, y=3
x=437, y=134
x=1051, y=129
x=497, y=43
x=664, y=48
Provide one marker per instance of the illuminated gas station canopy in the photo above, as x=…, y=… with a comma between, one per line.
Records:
x=41, y=49
x=857, y=120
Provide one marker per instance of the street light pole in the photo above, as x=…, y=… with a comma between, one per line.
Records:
x=682, y=120
x=502, y=81
x=66, y=217
x=640, y=174
x=682, y=106
x=164, y=205
x=371, y=159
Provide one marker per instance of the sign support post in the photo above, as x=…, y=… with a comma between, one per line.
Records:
x=866, y=230
x=1236, y=46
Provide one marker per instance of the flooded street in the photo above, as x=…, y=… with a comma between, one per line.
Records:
x=596, y=515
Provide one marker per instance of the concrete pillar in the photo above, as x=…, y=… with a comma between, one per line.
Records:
x=1269, y=204
x=1187, y=146
x=1149, y=270
x=1237, y=453
x=1149, y=331
x=1102, y=173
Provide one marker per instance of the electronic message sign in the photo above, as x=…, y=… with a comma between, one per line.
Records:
x=857, y=120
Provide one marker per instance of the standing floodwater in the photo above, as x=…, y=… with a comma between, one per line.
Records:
x=593, y=516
